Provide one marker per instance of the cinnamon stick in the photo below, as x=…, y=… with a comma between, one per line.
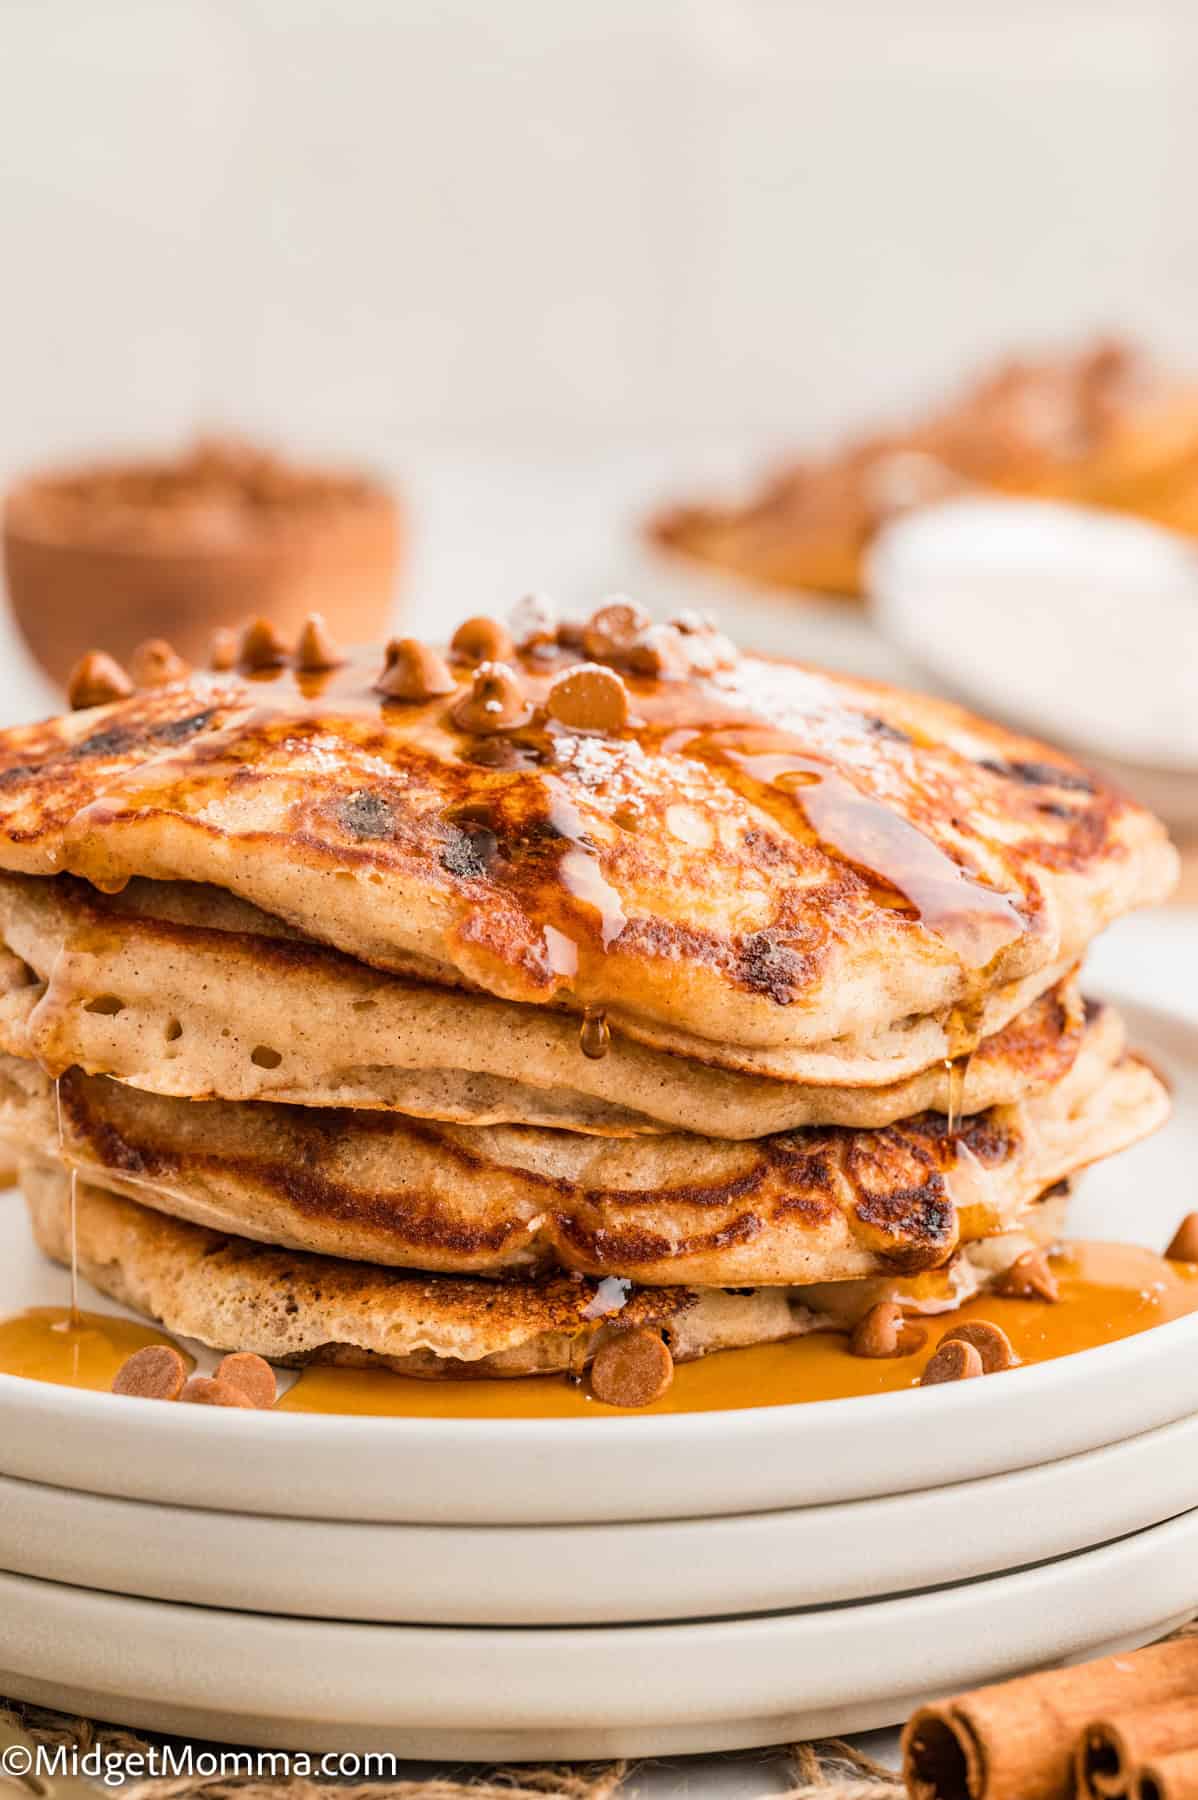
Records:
x=1113, y=1748
x=1016, y=1740
x=1169, y=1778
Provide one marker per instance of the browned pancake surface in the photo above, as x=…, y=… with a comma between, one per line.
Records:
x=185, y=990
x=297, y=1308
x=803, y=1206
x=767, y=856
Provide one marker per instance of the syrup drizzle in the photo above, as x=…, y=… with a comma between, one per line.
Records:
x=594, y=1036
x=74, y=1319
x=962, y=1033
x=977, y=922
x=786, y=735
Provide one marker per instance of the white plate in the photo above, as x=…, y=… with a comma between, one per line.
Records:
x=673, y=1569
x=581, y=1692
x=610, y=1467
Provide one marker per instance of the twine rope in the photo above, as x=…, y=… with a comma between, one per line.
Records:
x=828, y=1769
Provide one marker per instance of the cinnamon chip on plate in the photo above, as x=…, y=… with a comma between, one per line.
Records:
x=953, y=1361
x=990, y=1341
x=883, y=1331
x=155, y=1372
x=1028, y=1278
x=202, y=1390
x=633, y=1368
x=251, y=1375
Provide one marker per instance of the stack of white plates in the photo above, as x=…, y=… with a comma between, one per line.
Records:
x=526, y=1589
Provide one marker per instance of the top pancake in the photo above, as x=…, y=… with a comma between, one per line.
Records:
x=768, y=856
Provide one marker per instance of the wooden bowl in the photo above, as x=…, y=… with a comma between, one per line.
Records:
x=110, y=554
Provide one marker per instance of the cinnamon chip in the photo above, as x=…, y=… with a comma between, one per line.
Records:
x=222, y=649
x=495, y=702
x=202, y=1390
x=316, y=649
x=481, y=640
x=589, y=698
x=261, y=646
x=414, y=672
x=612, y=630
x=707, y=649
x=251, y=1375
x=633, y=1368
x=883, y=1331
x=953, y=1361
x=95, y=680
x=156, y=1372
x=990, y=1341
x=155, y=663
x=660, y=652
x=1183, y=1245
x=533, y=622
x=1028, y=1278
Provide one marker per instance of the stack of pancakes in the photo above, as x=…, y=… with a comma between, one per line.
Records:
x=460, y=1015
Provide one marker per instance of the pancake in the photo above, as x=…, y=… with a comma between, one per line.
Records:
x=765, y=857
x=824, y=1204
x=296, y=1309
x=184, y=990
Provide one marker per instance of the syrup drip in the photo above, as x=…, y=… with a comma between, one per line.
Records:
x=955, y=1070
x=594, y=1036
x=75, y=1315
x=961, y=1034
x=582, y=873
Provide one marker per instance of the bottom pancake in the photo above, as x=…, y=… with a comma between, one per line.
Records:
x=295, y=1308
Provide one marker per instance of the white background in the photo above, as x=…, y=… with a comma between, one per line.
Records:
x=572, y=226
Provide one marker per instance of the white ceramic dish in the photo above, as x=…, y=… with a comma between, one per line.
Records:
x=580, y=1692
x=997, y=599
x=619, y=1468
x=650, y=1572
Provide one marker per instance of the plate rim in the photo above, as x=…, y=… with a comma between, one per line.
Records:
x=751, y=1563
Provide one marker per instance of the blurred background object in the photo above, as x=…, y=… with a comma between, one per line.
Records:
x=548, y=268
x=1036, y=612
x=1104, y=427
x=119, y=553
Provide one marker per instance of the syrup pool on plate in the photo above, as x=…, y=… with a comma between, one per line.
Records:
x=83, y=1350
x=1108, y=1291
